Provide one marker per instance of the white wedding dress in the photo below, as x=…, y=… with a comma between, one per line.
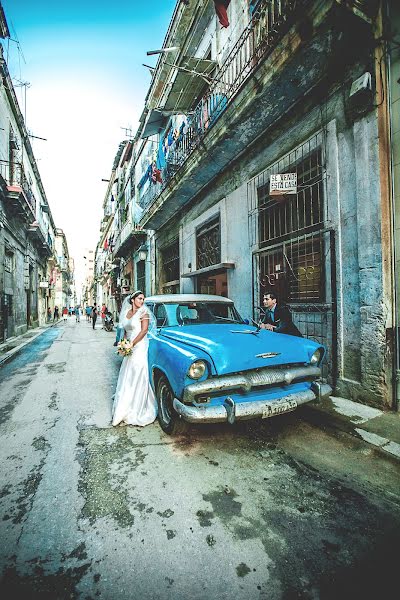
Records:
x=134, y=401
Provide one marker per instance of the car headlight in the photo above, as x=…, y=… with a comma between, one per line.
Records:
x=197, y=369
x=317, y=356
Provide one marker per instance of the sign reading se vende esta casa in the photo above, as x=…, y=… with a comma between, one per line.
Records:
x=283, y=183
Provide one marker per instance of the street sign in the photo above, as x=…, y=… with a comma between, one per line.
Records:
x=283, y=183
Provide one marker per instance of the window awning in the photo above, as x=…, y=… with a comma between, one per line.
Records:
x=188, y=83
x=212, y=269
x=155, y=122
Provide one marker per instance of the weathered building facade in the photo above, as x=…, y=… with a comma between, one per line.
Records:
x=236, y=103
x=242, y=100
x=28, y=263
x=121, y=253
x=63, y=296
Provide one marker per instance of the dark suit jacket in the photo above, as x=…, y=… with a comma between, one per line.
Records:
x=282, y=320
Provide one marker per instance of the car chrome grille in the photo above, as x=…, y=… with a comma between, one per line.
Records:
x=246, y=380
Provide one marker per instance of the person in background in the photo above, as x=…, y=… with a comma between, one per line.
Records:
x=103, y=312
x=56, y=315
x=77, y=314
x=94, y=315
x=88, y=312
x=65, y=313
x=277, y=317
x=49, y=314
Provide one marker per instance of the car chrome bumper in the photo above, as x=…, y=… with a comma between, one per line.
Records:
x=231, y=411
x=248, y=380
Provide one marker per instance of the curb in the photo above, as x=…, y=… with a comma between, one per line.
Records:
x=11, y=353
x=320, y=415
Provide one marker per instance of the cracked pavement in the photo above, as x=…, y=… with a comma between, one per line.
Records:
x=272, y=510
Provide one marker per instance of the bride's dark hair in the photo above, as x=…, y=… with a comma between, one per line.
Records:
x=135, y=295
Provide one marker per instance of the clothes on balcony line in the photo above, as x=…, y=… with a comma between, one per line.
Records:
x=212, y=107
x=137, y=212
x=155, y=174
x=220, y=9
x=170, y=137
x=160, y=163
x=218, y=103
x=146, y=176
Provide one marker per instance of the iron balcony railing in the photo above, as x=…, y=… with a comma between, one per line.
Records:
x=269, y=22
x=127, y=229
x=14, y=175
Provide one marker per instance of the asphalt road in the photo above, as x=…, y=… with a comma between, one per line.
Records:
x=279, y=509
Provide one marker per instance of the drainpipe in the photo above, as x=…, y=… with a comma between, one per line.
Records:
x=394, y=243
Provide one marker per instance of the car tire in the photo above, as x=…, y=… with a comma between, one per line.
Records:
x=169, y=420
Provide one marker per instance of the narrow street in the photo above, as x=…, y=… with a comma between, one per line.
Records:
x=270, y=510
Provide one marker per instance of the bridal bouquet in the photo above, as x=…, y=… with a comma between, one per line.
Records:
x=124, y=348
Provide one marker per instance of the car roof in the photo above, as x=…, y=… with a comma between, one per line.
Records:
x=178, y=298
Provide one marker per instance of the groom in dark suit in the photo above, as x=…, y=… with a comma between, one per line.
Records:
x=277, y=317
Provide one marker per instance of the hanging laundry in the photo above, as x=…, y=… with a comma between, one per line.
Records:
x=146, y=176
x=220, y=9
x=156, y=175
x=161, y=156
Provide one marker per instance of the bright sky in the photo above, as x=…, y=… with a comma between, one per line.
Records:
x=83, y=61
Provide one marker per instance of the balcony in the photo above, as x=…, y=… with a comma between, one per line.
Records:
x=128, y=239
x=40, y=239
x=261, y=79
x=18, y=192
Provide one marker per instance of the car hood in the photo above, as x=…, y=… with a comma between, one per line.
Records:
x=232, y=349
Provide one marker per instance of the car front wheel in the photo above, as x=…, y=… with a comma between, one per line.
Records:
x=168, y=418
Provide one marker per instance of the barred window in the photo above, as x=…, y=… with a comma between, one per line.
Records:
x=282, y=216
x=141, y=276
x=8, y=261
x=290, y=230
x=170, y=261
x=208, y=244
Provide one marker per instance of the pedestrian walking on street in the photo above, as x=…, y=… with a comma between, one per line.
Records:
x=103, y=313
x=56, y=315
x=77, y=314
x=134, y=400
x=88, y=311
x=94, y=315
x=65, y=313
x=49, y=314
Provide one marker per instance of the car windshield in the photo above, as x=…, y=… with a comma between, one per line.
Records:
x=195, y=313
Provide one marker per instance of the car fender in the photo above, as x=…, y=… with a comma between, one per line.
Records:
x=174, y=359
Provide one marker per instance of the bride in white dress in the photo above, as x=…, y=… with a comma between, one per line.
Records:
x=134, y=401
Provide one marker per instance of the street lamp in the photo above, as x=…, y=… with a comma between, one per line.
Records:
x=163, y=50
x=142, y=252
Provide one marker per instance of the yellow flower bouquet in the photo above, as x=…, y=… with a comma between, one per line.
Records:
x=124, y=348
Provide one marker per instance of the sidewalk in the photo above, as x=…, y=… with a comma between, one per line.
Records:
x=380, y=429
x=14, y=344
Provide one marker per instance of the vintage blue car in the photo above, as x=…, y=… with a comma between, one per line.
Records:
x=208, y=365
